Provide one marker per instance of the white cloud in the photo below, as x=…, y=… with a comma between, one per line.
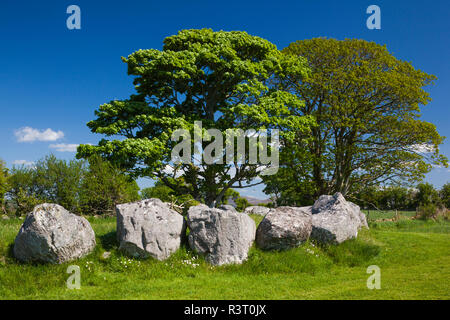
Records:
x=23, y=162
x=64, y=147
x=28, y=134
x=422, y=148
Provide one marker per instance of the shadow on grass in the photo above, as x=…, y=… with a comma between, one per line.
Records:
x=10, y=252
x=109, y=240
x=352, y=252
x=11, y=259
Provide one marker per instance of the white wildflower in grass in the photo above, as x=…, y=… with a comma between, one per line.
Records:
x=89, y=265
x=190, y=263
x=127, y=262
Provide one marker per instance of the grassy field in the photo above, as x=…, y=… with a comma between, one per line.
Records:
x=413, y=255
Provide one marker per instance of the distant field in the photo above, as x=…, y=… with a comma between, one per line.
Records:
x=373, y=215
x=413, y=255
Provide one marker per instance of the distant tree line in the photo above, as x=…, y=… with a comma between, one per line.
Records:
x=401, y=198
x=373, y=197
x=90, y=187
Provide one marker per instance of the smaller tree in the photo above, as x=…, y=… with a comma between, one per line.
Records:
x=59, y=181
x=22, y=190
x=158, y=191
x=368, y=197
x=427, y=195
x=395, y=198
x=3, y=185
x=241, y=204
x=445, y=195
x=104, y=186
x=290, y=189
x=49, y=180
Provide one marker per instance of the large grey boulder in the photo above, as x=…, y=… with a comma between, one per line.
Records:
x=51, y=234
x=283, y=228
x=257, y=210
x=223, y=236
x=336, y=219
x=149, y=228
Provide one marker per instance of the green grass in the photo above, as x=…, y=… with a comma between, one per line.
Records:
x=374, y=215
x=413, y=255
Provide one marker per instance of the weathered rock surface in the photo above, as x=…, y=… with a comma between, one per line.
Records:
x=51, y=234
x=223, y=236
x=227, y=207
x=258, y=210
x=335, y=219
x=284, y=227
x=149, y=228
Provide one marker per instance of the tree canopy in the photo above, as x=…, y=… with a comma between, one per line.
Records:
x=367, y=104
x=223, y=79
x=88, y=187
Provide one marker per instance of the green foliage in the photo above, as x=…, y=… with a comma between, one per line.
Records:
x=159, y=191
x=386, y=198
x=427, y=195
x=290, y=189
x=22, y=190
x=181, y=202
x=59, y=181
x=104, y=186
x=49, y=180
x=445, y=195
x=427, y=211
x=230, y=194
x=80, y=187
x=241, y=204
x=367, y=107
x=220, y=78
x=4, y=186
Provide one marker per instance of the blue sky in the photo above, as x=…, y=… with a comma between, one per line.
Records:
x=55, y=78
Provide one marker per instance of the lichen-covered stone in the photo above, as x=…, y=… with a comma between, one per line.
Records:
x=149, y=228
x=283, y=228
x=335, y=219
x=51, y=234
x=223, y=236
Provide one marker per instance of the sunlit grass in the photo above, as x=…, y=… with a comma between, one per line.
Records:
x=414, y=257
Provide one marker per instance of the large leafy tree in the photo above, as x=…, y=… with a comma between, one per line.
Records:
x=367, y=106
x=220, y=78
